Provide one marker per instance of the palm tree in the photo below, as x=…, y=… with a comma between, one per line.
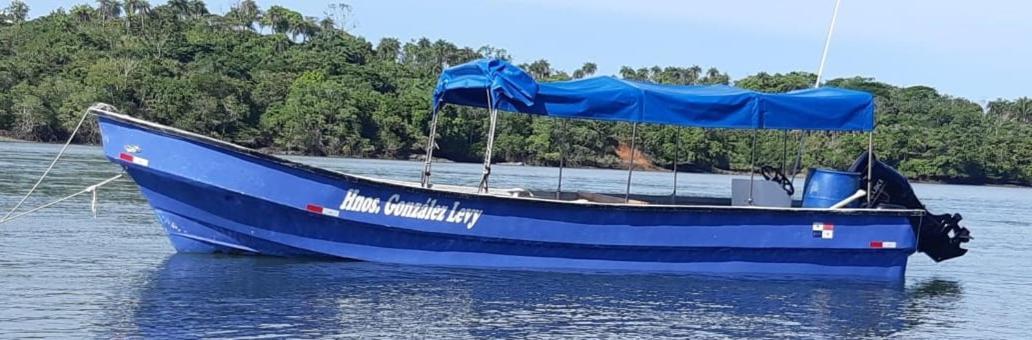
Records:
x=1018, y=110
x=245, y=13
x=626, y=72
x=197, y=8
x=84, y=13
x=389, y=49
x=713, y=76
x=693, y=73
x=278, y=19
x=1023, y=110
x=109, y=9
x=180, y=7
x=295, y=26
x=267, y=20
x=130, y=7
x=489, y=51
x=540, y=69
x=589, y=68
x=654, y=74
x=310, y=27
x=586, y=70
x=142, y=9
x=327, y=24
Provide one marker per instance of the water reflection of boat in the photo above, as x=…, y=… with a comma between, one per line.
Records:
x=213, y=196
x=229, y=296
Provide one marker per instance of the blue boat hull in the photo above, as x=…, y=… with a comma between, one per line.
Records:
x=212, y=196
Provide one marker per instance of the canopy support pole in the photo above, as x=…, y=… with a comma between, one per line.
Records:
x=784, y=150
x=799, y=155
x=490, y=145
x=752, y=166
x=870, y=165
x=630, y=168
x=562, y=159
x=677, y=153
x=424, y=180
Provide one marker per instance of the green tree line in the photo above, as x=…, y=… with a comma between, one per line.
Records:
x=274, y=79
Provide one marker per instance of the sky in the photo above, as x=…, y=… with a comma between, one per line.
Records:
x=973, y=49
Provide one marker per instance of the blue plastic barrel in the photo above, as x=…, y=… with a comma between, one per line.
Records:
x=826, y=187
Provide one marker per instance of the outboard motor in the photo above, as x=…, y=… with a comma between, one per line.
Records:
x=939, y=236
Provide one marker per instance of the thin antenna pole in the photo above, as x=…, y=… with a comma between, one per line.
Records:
x=816, y=84
x=827, y=44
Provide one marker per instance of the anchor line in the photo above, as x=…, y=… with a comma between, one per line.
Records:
x=91, y=189
x=51, y=167
x=10, y=215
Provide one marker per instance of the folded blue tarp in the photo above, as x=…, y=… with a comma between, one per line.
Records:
x=610, y=98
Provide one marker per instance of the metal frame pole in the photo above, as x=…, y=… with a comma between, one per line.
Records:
x=752, y=166
x=677, y=153
x=562, y=159
x=796, y=167
x=490, y=145
x=425, y=178
x=870, y=165
x=784, y=151
x=630, y=168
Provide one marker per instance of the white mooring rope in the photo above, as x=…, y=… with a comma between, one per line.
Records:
x=93, y=204
x=51, y=167
x=92, y=189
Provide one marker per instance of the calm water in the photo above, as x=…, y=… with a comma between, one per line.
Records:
x=66, y=274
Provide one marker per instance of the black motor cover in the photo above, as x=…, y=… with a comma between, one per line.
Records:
x=938, y=236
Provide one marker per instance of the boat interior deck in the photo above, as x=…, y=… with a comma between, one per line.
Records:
x=582, y=196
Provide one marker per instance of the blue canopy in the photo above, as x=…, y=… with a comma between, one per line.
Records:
x=610, y=98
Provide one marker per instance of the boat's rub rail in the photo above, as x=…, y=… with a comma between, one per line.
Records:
x=514, y=193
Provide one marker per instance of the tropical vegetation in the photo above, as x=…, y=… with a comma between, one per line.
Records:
x=274, y=79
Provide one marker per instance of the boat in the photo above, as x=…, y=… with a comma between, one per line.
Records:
x=212, y=196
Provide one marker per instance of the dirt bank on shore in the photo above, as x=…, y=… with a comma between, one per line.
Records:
x=641, y=161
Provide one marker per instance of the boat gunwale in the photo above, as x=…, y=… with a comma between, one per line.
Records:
x=412, y=186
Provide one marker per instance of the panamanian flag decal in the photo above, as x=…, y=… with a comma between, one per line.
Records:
x=823, y=230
